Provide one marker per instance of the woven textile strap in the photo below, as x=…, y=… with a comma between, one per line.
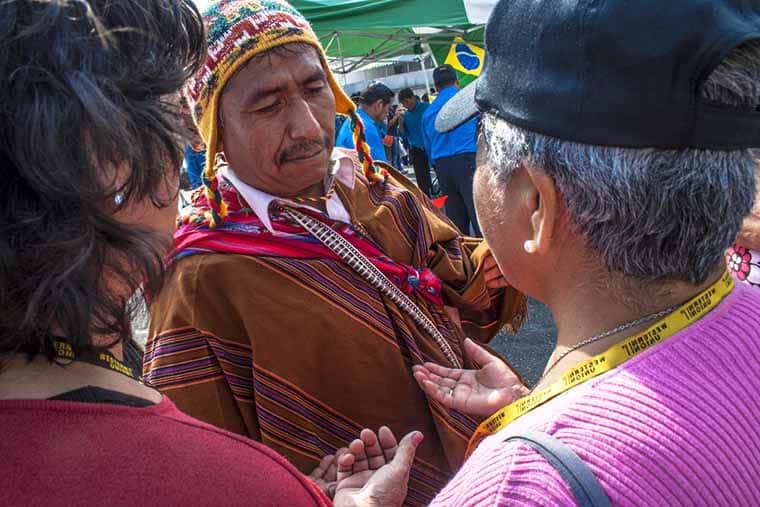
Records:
x=364, y=267
x=582, y=481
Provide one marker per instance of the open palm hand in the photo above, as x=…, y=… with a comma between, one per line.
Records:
x=375, y=470
x=479, y=392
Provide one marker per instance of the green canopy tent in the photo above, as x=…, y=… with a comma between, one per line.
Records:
x=357, y=33
x=350, y=50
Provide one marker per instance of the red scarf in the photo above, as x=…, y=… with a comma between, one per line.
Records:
x=243, y=233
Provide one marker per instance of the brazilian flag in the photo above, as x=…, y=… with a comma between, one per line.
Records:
x=465, y=57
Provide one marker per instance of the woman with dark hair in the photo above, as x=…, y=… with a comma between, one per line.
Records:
x=90, y=147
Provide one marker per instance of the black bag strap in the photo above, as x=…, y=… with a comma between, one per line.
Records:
x=582, y=481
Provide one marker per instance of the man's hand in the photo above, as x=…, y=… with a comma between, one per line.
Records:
x=494, y=277
x=397, y=116
x=476, y=392
x=375, y=470
x=495, y=282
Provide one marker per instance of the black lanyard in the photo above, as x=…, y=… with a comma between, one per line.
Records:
x=103, y=359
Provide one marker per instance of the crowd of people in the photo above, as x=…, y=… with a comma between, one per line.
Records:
x=310, y=305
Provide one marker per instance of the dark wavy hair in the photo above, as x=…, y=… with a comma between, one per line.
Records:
x=88, y=111
x=375, y=92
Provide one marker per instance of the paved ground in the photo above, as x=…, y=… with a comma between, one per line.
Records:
x=529, y=350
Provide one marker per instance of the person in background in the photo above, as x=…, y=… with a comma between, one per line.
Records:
x=384, y=129
x=195, y=150
x=373, y=109
x=452, y=154
x=392, y=140
x=86, y=213
x=195, y=161
x=614, y=206
x=411, y=130
x=743, y=258
x=305, y=281
x=340, y=119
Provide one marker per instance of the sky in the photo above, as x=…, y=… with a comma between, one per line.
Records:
x=202, y=4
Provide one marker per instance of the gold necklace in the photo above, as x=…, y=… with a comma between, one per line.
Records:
x=605, y=334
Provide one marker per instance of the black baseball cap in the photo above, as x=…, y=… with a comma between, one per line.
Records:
x=612, y=72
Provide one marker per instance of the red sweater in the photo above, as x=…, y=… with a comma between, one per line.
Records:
x=69, y=453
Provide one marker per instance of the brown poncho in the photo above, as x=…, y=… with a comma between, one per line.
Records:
x=301, y=354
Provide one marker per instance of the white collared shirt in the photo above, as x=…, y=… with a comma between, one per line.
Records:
x=260, y=201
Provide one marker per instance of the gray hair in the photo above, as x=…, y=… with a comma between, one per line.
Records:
x=649, y=214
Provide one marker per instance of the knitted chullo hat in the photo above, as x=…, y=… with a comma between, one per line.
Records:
x=238, y=30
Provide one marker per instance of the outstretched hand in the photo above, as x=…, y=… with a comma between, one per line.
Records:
x=475, y=392
x=325, y=476
x=375, y=470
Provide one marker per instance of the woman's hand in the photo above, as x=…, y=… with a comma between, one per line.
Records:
x=375, y=470
x=475, y=392
x=325, y=476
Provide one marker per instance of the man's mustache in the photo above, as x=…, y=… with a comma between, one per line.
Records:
x=303, y=149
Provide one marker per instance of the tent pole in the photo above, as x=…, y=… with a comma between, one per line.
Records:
x=342, y=62
x=329, y=44
x=435, y=64
x=374, y=53
x=430, y=52
x=422, y=58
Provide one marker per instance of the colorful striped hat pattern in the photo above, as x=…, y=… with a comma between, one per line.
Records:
x=238, y=30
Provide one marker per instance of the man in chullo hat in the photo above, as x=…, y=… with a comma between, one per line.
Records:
x=306, y=280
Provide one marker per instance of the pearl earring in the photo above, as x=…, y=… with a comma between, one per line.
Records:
x=530, y=246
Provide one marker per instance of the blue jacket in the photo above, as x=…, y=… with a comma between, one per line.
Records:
x=463, y=139
x=374, y=138
x=195, y=161
x=413, y=125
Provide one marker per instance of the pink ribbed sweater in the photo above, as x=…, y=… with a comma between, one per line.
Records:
x=678, y=425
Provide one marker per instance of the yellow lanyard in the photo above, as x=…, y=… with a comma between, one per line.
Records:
x=105, y=359
x=613, y=357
